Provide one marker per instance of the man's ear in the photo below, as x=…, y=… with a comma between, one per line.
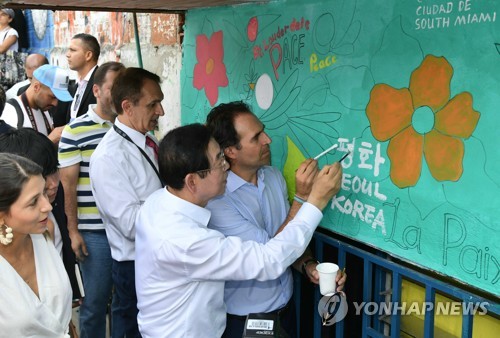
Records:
x=230, y=152
x=88, y=55
x=190, y=182
x=126, y=107
x=95, y=90
x=36, y=86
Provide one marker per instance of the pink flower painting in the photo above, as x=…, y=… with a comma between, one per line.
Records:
x=210, y=71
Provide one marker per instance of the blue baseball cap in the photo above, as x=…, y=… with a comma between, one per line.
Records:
x=56, y=78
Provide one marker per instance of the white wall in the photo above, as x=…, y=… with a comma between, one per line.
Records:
x=160, y=49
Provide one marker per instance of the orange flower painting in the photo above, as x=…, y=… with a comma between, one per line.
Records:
x=210, y=71
x=394, y=115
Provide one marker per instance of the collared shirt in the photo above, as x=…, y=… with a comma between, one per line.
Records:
x=253, y=212
x=78, y=141
x=121, y=180
x=9, y=115
x=82, y=85
x=181, y=265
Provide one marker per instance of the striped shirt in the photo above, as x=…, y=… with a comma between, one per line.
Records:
x=78, y=141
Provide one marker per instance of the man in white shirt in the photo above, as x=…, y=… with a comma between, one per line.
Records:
x=83, y=54
x=254, y=206
x=181, y=265
x=123, y=173
x=50, y=84
x=33, y=61
x=86, y=229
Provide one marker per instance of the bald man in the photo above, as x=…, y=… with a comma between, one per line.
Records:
x=33, y=61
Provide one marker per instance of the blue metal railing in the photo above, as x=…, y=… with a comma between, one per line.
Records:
x=375, y=271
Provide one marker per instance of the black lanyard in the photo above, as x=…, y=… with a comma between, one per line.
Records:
x=126, y=137
x=24, y=99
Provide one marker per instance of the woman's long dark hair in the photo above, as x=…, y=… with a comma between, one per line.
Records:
x=16, y=171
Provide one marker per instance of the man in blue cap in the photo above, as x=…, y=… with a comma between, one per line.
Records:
x=30, y=109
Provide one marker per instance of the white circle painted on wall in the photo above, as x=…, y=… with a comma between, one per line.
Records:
x=264, y=91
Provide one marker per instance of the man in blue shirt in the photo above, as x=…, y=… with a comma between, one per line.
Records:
x=255, y=207
x=181, y=266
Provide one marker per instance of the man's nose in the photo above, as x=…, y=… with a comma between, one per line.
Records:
x=159, y=110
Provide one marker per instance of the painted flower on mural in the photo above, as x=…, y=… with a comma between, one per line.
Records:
x=252, y=29
x=210, y=71
x=423, y=122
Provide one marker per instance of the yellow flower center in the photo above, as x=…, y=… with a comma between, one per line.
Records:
x=209, y=67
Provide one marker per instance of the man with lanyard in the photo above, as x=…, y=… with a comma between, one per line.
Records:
x=83, y=54
x=49, y=84
x=86, y=229
x=181, y=265
x=123, y=173
x=254, y=207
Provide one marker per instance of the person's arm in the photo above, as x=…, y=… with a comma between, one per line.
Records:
x=55, y=135
x=9, y=41
x=211, y=256
x=116, y=198
x=229, y=214
x=306, y=264
x=69, y=179
x=204, y=254
x=304, y=179
x=70, y=157
x=227, y=219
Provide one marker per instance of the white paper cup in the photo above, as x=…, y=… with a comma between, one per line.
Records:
x=327, y=275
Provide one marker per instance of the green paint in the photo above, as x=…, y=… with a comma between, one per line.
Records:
x=324, y=58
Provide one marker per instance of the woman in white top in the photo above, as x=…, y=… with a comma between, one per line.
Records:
x=35, y=292
x=8, y=35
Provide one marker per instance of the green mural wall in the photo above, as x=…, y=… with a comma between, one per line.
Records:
x=411, y=89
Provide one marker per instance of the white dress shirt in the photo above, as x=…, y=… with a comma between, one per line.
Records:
x=82, y=85
x=121, y=180
x=181, y=265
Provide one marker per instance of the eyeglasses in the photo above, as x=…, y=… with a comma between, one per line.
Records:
x=222, y=164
